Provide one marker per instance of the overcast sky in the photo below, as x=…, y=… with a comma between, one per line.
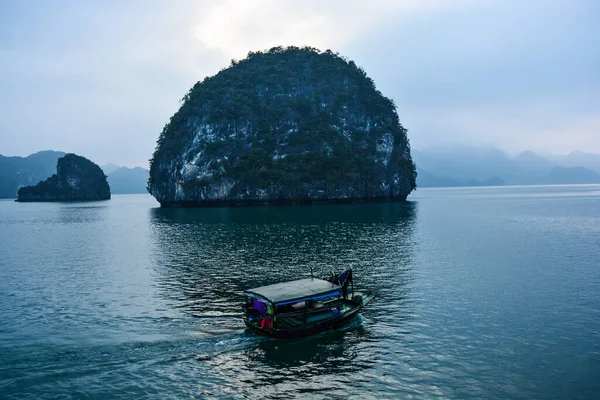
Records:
x=101, y=78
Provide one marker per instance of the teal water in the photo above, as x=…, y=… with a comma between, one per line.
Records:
x=482, y=293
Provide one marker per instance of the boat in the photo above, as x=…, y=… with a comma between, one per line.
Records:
x=303, y=307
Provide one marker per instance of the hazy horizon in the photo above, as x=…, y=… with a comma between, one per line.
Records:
x=437, y=148
x=434, y=148
x=102, y=79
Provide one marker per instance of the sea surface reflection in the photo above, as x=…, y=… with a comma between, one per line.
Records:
x=205, y=258
x=481, y=293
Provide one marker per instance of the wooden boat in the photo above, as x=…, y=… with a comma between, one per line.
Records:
x=302, y=307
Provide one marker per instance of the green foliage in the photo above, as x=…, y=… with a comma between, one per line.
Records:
x=287, y=116
x=76, y=178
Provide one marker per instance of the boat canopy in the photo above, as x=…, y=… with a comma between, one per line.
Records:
x=296, y=291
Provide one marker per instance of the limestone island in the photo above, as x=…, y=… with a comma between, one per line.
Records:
x=76, y=179
x=286, y=126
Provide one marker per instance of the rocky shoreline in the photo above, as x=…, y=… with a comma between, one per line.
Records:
x=276, y=203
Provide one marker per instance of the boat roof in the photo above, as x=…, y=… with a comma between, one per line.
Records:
x=295, y=291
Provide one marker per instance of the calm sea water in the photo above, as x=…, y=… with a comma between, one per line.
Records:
x=482, y=293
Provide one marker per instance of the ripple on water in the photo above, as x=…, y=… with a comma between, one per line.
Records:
x=477, y=296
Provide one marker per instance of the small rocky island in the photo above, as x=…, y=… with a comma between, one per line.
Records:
x=76, y=179
x=287, y=126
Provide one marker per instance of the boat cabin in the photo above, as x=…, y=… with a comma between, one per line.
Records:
x=297, y=307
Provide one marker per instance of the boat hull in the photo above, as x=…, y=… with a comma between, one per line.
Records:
x=328, y=324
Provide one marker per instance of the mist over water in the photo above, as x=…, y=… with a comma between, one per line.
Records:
x=481, y=293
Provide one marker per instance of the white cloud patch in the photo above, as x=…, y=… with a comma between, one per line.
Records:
x=101, y=79
x=237, y=27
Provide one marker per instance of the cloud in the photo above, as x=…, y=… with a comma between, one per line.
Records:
x=100, y=81
x=545, y=127
x=503, y=73
x=102, y=78
x=239, y=27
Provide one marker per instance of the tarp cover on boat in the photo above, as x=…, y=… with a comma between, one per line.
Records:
x=302, y=289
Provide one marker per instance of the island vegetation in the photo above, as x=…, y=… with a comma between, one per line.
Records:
x=285, y=125
x=76, y=179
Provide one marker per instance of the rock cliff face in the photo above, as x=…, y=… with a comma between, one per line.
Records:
x=289, y=125
x=76, y=179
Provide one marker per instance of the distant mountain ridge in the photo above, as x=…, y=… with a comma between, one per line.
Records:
x=590, y=161
x=436, y=167
x=123, y=180
x=489, y=166
x=17, y=172
x=110, y=167
x=571, y=175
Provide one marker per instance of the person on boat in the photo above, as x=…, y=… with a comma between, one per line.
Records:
x=345, y=279
x=334, y=278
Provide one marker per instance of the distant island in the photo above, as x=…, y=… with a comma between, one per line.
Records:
x=286, y=126
x=76, y=179
x=17, y=172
